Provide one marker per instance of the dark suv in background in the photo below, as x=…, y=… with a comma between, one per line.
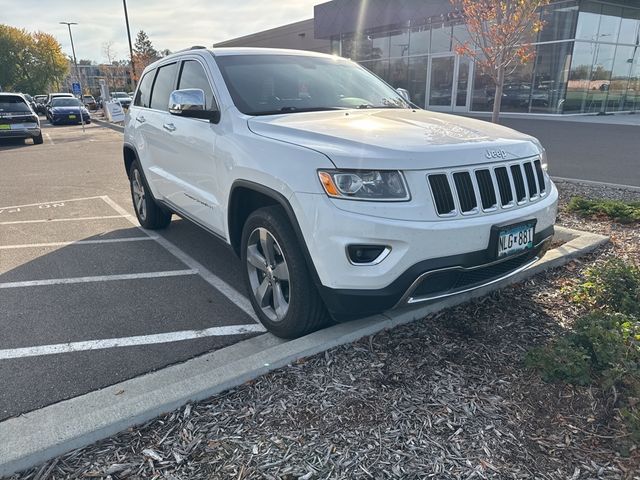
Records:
x=17, y=118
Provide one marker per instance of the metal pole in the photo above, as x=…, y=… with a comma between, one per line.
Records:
x=133, y=66
x=75, y=62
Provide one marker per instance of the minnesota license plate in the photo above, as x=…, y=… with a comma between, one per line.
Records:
x=515, y=238
x=5, y=127
x=71, y=117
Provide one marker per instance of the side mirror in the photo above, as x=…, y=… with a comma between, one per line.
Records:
x=404, y=93
x=191, y=103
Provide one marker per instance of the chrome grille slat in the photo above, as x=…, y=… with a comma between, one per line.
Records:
x=540, y=176
x=487, y=188
x=518, y=182
x=532, y=184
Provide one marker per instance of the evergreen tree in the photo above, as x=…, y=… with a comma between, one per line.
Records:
x=144, y=52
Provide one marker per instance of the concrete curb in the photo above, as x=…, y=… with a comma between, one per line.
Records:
x=577, y=181
x=112, y=126
x=38, y=436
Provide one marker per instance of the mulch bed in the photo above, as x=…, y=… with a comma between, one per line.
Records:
x=445, y=397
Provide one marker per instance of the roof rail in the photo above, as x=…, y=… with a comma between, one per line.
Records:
x=194, y=47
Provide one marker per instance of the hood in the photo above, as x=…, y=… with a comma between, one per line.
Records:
x=396, y=138
x=67, y=110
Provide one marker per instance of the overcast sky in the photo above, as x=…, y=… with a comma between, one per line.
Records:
x=172, y=24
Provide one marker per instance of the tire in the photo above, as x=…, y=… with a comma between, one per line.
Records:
x=304, y=311
x=38, y=140
x=149, y=213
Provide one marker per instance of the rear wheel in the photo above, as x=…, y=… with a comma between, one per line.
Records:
x=38, y=140
x=277, y=277
x=149, y=213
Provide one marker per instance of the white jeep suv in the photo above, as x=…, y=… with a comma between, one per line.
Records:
x=340, y=197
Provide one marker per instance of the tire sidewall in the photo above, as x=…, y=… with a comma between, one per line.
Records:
x=299, y=280
x=147, y=198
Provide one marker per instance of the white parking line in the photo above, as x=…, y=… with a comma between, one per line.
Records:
x=101, y=278
x=81, y=199
x=49, y=138
x=62, y=219
x=219, y=284
x=128, y=341
x=79, y=242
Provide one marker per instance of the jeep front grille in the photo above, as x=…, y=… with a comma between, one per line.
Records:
x=500, y=186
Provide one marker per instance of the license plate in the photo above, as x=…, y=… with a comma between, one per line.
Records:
x=515, y=238
x=5, y=127
x=71, y=117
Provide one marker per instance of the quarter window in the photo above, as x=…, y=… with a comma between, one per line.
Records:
x=163, y=86
x=194, y=76
x=144, y=90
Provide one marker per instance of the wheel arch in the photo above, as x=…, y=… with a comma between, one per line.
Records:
x=244, y=198
x=129, y=155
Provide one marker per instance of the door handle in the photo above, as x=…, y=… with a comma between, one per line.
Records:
x=141, y=119
x=169, y=126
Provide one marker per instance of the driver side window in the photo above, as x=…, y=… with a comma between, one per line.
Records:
x=192, y=75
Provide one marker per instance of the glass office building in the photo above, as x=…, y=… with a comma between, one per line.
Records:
x=587, y=56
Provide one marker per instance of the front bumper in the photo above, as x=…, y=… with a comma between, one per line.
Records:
x=64, y=118
x=418, y=250
x=433, y=280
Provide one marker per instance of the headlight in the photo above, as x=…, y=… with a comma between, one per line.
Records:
x=543, y=154
x=374, y=185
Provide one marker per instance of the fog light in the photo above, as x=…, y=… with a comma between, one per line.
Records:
x=365, y=254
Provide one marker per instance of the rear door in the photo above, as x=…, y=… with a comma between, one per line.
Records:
x=195, y=188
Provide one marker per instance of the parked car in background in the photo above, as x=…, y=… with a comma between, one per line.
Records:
x=51, y=96
x=122, y=97
x=341, y=198
x=17, y=118
x=89, y=102
x=30, y=101
x=40, y=104
x=67, y=110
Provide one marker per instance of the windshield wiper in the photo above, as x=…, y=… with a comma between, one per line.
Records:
x=292, y=109
x=368, y=105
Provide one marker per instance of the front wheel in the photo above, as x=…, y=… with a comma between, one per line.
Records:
x=277, y=277
x=149, y=213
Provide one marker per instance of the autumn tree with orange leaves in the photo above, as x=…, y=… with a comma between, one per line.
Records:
x=498, y=34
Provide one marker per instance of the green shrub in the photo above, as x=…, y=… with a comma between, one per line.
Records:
x=561, y=360
x=619, y=211
x=612, y=286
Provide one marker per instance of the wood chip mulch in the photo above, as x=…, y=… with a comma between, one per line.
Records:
x=445, y=397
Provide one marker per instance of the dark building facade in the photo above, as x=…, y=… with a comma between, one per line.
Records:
x=299, y=35
x=587, y=55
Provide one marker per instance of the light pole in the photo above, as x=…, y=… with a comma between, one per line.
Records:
x=133, y=66
x=75, y=62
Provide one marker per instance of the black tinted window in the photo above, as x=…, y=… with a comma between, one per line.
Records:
x=13, y=104
x=144, y=90
x=193, y=76
x=163, y=86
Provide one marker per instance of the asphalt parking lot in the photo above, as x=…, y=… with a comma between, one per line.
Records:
x=87, y=298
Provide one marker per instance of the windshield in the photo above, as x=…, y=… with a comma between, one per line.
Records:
x=65, y=102
x=272, y=84
x=13, y=104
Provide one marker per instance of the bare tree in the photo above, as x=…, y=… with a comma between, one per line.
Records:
x=499, y=36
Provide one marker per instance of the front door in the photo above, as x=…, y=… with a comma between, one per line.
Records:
x=449, y=85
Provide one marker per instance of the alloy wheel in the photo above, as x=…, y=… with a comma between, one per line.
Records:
x=268, y=274
x=137, y=189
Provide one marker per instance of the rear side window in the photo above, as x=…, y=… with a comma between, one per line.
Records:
x=10, y=103
x=144, y=90
x=194, y=76
x=163, y=86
